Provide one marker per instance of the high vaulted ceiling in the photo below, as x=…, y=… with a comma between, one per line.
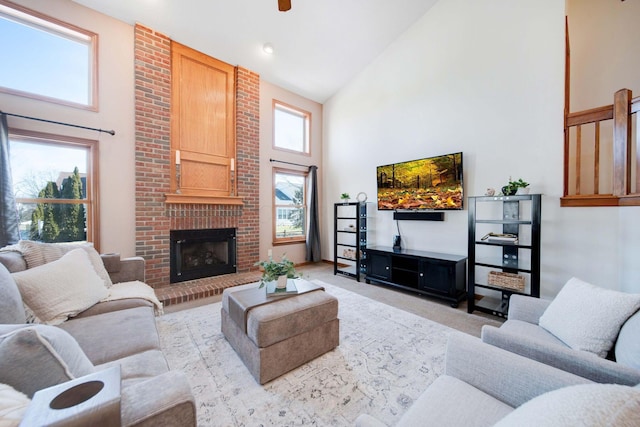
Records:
x=319, y=45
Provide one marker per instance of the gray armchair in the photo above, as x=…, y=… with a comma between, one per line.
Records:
x=522, y=335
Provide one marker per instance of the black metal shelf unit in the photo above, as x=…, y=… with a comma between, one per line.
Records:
x=520, y=216
x=350, y=239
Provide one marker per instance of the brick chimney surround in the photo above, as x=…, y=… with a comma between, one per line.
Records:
x=154, y=217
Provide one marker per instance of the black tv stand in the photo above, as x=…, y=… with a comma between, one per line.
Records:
x=427, y=273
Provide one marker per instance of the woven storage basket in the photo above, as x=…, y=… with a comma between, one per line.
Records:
x=506, y=280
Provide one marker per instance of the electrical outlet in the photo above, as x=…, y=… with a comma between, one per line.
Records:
x=270, y=253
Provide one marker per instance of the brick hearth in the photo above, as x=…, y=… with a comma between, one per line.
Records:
x=154, y=217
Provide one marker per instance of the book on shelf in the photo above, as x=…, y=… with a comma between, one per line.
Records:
x=273, y=291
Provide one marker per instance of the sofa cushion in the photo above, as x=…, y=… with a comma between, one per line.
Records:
x=13, y=405
x=588, y=318
x=585, y=405
x=111, y=336
x=628, y=344
x=61, y=289
x=11, y=307
x=40, y=356
x=440, y=405
x=39, y=253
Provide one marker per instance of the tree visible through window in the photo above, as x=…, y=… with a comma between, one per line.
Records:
x=289, y=206
x=52, y=181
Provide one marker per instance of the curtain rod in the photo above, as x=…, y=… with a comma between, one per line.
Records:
x=110, y=132
x=289, y=163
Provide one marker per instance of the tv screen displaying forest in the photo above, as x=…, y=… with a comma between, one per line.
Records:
x=431, y=183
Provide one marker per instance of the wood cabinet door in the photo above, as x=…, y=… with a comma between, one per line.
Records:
x=202, y=122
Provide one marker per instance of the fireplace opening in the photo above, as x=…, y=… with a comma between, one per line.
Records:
x=201, y=253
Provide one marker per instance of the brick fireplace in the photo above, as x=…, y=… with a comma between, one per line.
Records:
x=155, y=218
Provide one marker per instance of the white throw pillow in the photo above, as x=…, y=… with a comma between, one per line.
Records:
x=13, y=405
x=588, y=318
x=39, y=253
x=587, y=405
x=61, y=289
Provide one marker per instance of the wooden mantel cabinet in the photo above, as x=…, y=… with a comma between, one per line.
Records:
x=202, y=127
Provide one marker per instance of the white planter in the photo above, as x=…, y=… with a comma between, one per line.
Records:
x=281, y=283
x=522, y=190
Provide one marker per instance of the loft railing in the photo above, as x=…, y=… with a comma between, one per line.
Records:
x=601, y=159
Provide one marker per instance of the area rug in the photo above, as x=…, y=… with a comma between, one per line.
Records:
x=386, y=358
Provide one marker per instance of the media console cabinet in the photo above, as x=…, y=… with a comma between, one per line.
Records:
x=427, y=273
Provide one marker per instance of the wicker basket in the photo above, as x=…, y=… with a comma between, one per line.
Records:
x=506, y=280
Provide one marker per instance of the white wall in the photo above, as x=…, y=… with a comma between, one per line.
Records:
x=296, y=252
x=486, y=78
x=116, y=111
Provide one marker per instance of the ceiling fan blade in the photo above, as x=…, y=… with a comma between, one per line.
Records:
x=284, y=5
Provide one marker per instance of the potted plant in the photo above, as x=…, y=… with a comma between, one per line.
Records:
x=515, y=187
x=277, y=271
x=345, y=197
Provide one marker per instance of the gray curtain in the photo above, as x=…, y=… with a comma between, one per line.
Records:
x=9, y=220
x=313, y=230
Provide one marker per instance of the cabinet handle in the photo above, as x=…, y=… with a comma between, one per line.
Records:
x=386, y=268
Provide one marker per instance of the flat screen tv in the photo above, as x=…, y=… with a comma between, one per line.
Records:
x=433, y=183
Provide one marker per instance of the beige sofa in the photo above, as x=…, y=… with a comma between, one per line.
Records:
x=113, y=333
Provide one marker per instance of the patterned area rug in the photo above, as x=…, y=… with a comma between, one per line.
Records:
x=386, y=358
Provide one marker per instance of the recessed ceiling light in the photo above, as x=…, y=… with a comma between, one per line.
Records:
x=268, y=48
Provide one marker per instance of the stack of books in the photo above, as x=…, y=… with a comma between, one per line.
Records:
x=500, y=238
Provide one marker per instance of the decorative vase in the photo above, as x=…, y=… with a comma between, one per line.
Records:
x=281, y=283
x=522, y=191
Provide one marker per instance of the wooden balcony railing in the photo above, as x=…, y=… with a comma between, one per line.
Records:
x=601, y=167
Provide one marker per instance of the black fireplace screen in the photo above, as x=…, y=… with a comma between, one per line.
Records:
x=202, y=253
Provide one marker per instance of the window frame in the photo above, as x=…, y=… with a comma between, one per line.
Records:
x=295, y=239
x=296, y=111
x=92, y=200
x=48, y=23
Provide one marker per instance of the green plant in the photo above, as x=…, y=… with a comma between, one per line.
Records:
x=345, y=196
x=274, y=269
x=512, y=187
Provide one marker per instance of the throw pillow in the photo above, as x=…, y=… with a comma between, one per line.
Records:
x=628, y=344
x=40, y=356
x=588, y=318
x=38, y=253
x=11, y=307
x=13, y=405
x=587, y=405
x=61, y=289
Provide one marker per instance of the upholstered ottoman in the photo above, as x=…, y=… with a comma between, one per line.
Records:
x=278, y=334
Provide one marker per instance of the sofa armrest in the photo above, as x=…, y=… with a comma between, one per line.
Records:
x=126, y=270
x=527, y=309
x=582, y=363
x=164, y=400
x=506, y=376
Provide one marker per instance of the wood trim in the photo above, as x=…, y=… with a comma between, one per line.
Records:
x=578, y=157
x=621, y=147
x=589, y=200
x=589, y=116
x=302, y=112
x=596, y=160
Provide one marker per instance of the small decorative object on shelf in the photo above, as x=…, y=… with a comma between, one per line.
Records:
x=515, y=187
x=345, y=197
x=273, y=270
x=361, y=197
x=490, y=192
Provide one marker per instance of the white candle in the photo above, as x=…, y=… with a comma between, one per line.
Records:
x=177, y=157
x=233, y=165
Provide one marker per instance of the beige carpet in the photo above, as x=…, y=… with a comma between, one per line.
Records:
x=386, y=358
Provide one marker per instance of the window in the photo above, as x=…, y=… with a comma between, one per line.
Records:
x=54, y=185
x=50, y=60
x=290, y=128
x=290, y=212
